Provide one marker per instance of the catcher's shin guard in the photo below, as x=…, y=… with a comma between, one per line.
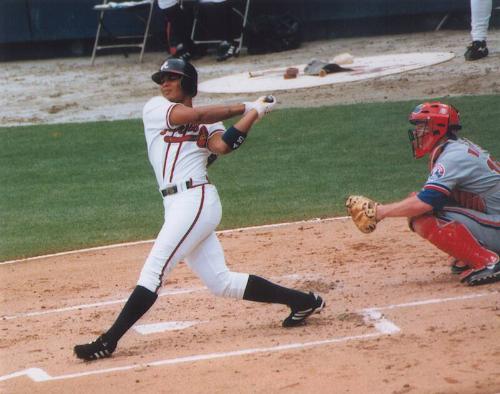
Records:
x=455, y=239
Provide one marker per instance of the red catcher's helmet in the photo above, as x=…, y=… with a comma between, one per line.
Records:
x=432, y=122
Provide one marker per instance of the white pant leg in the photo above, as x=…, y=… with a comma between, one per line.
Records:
x=190, y=217
x=480, y=18
x=207, y=261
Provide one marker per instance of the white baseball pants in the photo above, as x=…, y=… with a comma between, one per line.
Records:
x=480, y=19
x=188, y=233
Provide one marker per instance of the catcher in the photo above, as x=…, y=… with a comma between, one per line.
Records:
x=458, y=209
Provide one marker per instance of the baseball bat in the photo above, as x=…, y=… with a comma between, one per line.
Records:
x=256, y=74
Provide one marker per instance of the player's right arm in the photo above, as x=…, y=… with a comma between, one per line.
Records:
x=435, y=193
x=409, y=207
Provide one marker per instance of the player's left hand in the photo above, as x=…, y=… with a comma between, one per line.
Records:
x=363, y=212
x=263, y=105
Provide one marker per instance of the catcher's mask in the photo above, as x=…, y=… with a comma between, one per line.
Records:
x=189, y=79
x=432, y=122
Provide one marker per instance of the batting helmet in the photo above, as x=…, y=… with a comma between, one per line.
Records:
x=189, y=80
x=432, y=122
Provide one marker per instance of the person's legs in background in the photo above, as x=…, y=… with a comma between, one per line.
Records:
x=480, y=18
x=178, y=23
x=230, y=24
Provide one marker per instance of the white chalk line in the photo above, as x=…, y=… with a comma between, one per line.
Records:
x=39, y=375
x=381, y=323
x=370, y=315
x=123, y=300
x=436, y=301
x=125, y=244
x=153, y=328
x=96, y=304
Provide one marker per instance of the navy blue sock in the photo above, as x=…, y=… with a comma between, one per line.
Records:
x=137, y=305
x=261, y=290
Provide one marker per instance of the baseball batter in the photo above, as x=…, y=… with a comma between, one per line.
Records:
x=458, y=209
x=181, y=141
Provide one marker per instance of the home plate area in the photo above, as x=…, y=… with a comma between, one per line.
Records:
x=218, y=341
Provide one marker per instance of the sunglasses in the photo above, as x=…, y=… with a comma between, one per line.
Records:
x=170, y=77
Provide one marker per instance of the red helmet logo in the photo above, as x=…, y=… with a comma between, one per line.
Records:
x=432, y=122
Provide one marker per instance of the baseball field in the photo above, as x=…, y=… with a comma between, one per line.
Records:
x=79, y=208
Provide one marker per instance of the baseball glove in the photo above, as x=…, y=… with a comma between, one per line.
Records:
x=363, y=212
x=322, y=68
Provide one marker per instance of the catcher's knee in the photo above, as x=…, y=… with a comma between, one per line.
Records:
x=455, y=239
x=423, y=225
x=228, y=284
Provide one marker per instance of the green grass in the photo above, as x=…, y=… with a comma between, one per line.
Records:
x=68, y=186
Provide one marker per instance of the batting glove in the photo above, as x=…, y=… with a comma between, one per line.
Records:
x=263, y=105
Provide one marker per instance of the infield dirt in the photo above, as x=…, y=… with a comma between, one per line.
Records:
x=448, y=345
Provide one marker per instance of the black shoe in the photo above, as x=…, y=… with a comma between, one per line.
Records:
x=186, y=56
x=232, y=51
x=477, y=50
x=100, y=348
x=298, y=316
x=489, y=274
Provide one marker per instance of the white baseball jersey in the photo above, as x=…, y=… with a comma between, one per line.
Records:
x=177, y=153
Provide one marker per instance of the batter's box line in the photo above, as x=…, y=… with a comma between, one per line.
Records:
x=372, y=315
x=39, y=375
x=169, y=292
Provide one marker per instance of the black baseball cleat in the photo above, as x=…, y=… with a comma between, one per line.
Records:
x=489, y=274
x=226, y=51
x=477, y=50
x=186, y=56
x=298, y=316
x=100, y=348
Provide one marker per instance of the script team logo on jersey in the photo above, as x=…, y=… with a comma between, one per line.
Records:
x=202, y=140
x=438, y=171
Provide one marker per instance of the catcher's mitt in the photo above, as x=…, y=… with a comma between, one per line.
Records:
x=322, y=68
x=363, y=212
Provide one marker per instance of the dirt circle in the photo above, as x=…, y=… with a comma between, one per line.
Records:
x=69, y=90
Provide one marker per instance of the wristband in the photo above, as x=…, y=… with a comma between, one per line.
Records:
x=233, y=137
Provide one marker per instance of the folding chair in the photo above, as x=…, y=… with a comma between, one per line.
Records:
x=128, y=6
x=242, y=13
